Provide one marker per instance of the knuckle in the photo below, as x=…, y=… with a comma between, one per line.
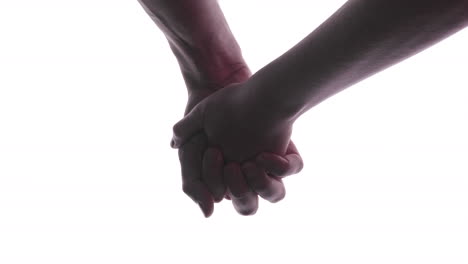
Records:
x=176, y=129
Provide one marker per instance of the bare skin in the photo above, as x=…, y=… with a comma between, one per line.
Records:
x=360, y=39
x=210, y=58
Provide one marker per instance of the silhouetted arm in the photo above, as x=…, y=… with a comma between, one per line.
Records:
x=199, y=36
x=363, y=37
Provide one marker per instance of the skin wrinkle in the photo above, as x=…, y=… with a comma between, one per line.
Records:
x=229, y=79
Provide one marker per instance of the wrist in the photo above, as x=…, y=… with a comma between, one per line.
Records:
x=258, y=110
x=265, y=103
x=202, y=69
x=197, y=91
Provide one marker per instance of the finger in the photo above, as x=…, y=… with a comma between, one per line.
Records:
x=187, y=127
x=281, y=166
x=235, y=181
x=243, y=199
x=190, y=156
x=269, y=188
x=213, y=173
x=296, y=164
x=200, y=194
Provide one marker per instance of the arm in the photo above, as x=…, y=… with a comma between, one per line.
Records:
x=199, y=36
x=362, y=38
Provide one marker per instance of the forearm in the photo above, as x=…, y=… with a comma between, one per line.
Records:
x=200, y=38
x=362, y=38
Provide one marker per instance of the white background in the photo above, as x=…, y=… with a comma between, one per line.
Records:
x=89, y=91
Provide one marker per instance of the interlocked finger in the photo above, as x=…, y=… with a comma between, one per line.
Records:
x=281, y=166
x=213, y=165
x=190, y=156
x=245, y=201
x=269, y=188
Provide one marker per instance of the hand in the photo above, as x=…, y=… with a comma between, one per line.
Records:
x=202, y=181
x=257, y=137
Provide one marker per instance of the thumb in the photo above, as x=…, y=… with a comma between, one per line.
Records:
x=187, y=127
